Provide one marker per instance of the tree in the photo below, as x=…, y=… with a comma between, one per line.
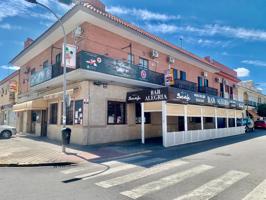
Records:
x=262, y=110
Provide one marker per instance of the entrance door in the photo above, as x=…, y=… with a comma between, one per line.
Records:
x=44, y=123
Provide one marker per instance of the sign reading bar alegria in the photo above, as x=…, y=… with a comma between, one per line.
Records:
x=159, y=94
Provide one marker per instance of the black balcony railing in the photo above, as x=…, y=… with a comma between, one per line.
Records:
x=102, y=64
x=251, y=103
x=106, y=65
x=185, y=85
x=208, y=90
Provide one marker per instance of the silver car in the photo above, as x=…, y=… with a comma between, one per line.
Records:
x=6, y=131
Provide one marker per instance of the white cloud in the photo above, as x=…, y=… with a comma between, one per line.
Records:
x=254, y=62
x=242, y=72
x=143, y=14
x=12, y=8
x=226, y=31
x=7, y=26
x=9, y=67
x=207, y=42
x=161, y=28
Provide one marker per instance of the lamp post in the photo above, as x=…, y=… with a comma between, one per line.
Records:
x=64, y=59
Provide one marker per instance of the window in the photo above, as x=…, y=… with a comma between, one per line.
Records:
x=144, y=62
x=194, y=123
x=58, y=58
x=69, y=114
x=78, y=118
x=138, y=115
x=130, y=58
x=175, y=74
x=32, y=71
x=200, y=81
x=206, y=82
x=183, y=75
x=116, y=112
x=221, y=122
x=232, y=122
x=227, y=89
x=53, y=113
x=45, y=64
x=209, y=122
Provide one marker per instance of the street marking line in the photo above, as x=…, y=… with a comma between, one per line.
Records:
x=110, y=163
x=119, y=168
x=165, y=182
x=214, y=187
x=141, y=174
x=259, y=193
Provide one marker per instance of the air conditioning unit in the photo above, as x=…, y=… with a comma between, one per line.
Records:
x=171, y=60
x=218, y=80
x=205, y=74
x=225, y=82
x=78, y=31
x=155, y=54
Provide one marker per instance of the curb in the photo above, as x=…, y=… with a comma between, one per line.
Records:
x=56, y=164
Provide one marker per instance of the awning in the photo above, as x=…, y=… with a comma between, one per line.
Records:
x=253, y=114
x=31, y=105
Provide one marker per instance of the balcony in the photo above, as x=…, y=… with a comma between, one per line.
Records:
x=106, y=65
x=208, y=90
x=251, y=103
x=185, y=85
x=100, y=64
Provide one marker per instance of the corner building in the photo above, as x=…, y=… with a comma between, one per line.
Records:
x=116, y=59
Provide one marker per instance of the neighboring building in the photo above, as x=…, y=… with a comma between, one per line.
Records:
x=251, y=96
x=8, y=97
x=116, y=58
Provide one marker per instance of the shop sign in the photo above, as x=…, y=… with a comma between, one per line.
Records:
x=160, y=94
x=70, y=55
x=181, y=96
x=13, y=86
x=169, y=77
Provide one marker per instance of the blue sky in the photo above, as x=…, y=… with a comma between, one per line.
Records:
x=232, y=32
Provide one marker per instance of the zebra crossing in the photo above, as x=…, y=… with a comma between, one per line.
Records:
x=179, y=171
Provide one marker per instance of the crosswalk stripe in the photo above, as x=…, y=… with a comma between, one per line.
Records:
x=119, y=168
x=141, y=174
x=259, y=193
x=214, y=187
x=109, y=163
x=165, y=182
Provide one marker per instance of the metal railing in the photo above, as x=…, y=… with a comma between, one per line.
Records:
x=185, y=85
x=208, y=90
x=102, y=64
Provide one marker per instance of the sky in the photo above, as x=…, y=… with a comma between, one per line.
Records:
x=231, y=32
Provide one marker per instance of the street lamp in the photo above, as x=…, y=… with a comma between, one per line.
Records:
x=64, y=59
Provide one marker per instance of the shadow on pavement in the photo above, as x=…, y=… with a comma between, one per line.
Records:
x=152, y=148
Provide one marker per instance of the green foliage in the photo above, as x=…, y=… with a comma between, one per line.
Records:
x=262, y=110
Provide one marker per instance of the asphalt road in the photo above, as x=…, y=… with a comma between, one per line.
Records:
x=229, y=169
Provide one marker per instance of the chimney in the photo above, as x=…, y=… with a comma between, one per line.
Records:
x=95, y=3
x=27, y=42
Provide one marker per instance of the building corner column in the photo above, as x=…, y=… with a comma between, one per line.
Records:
x=185, y=118
x=164, y=123
x=142, y=124
x=216, y=119
x=201, y=119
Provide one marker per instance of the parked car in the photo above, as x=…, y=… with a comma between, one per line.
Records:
x=260, y=124
x=248, y=123
x=6, y=132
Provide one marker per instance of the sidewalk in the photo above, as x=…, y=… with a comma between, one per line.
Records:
x=29, y=150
